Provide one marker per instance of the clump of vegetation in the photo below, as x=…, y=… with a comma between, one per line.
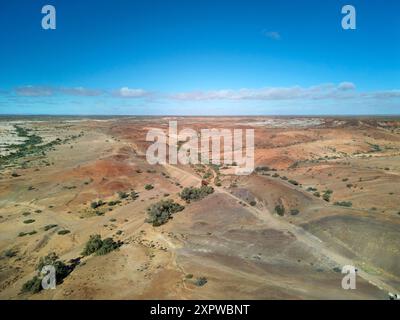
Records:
x=343, y=203
x=27, y=213
x=30, y=233
x=62, y=271
x=97, y=204
x=149, y=186
x=280, y=209
x=160, y=212
x=114, y=202
x=294, y=212
x=294, y=182
x=275, y=175
x=50, y=226
x=311, y=189
x=123, y=195
x=253, y=203
x=201, y=281
x=317, y=194
x=193, y=194
x=327, y=195
x=62, y=232
x=134, y=195
x=98, y=246
x=29, y=221
x=262, y=168
x=10, y=253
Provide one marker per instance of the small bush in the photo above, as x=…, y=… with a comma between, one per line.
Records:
x=193, y=194
x=160, y=212
x=96, y=204
x=62, y=232
x=98, y=246
x=253, y=203
x=10, y=253
x=94, y=243
x=50, y=226
x=114, y=202
x=149, y=186
x=122, y=195
x=294, y=182
x=343, y=203
x=32, y=286
x=134, y=195
x=317, y=194
x=294, y=212
x=280, y=209
x=29, y=221
x=201, y=281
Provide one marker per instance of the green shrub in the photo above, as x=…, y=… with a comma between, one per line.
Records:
x=94, y=243
x=317, y=194
x=343, y=203
x=62, y=270
x=201, y=281
x=149, y=186
x=280, y=209
x=294, y=212
x=10, y=253
x=160, y=212
x=107, y=246
x=98, y=246
x=32, y=286
x=96, y=204
x=114, y=202
x=294, y=182
x=253, y=203
x=62, y=232
x=29, y=221
x=134, y=195
x=50, y=226
x=193, y=194
x=122, y=195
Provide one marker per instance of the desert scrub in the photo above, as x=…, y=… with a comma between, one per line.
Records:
x=29, y=221
x=149, y=186
x=62, y=271
x=114, y=202
x=294, y=212
x=123, y=195
x=98, y=246
x=30, y=233
x=96, y=204
x=200, y=281
x=50, y=226
x=9, y=253
x=62, y=232
x=193, y=194
x=160, y=212
x=280, y=209
x=134, y=195
x=343, y=203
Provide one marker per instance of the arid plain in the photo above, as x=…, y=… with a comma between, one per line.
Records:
x=325, y=193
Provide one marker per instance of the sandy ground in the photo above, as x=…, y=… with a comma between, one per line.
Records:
x=234, y=237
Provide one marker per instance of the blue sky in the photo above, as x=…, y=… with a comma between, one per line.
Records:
x=195, y=57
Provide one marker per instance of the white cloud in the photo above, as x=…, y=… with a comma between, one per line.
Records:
x=344, y=90
x=274, y=35
x=45, y=91
x=126, y=92
x=346, y=86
